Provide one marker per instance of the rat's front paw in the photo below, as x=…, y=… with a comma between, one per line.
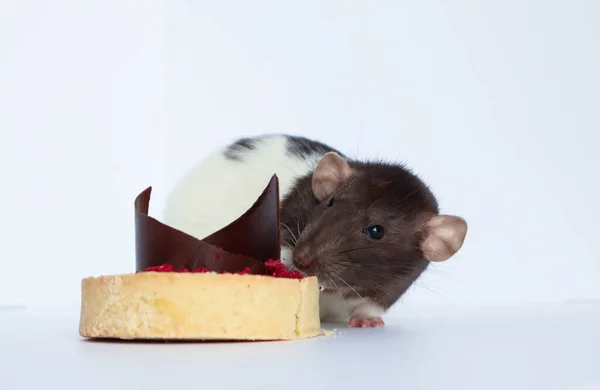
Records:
x=365, y=322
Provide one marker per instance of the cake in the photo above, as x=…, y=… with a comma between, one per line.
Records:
x=227, y=286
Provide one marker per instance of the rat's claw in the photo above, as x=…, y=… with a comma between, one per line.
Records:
x=365, y=322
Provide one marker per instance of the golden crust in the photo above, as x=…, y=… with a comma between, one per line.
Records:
x=199, y=306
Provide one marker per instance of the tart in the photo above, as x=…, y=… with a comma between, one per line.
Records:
x=228, y=286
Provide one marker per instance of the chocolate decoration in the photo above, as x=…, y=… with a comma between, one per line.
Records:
x=248, y=241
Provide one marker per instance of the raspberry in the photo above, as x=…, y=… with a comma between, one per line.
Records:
x=274, y=268
x=160, y=268
x=295, y=275
x=279, y=270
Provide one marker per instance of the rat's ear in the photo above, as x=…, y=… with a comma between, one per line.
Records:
x=331, y=171
x=444, y=236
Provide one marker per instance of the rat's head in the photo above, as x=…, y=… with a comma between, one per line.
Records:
x=372, y=225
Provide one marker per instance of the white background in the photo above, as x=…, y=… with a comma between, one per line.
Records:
x=495, y=104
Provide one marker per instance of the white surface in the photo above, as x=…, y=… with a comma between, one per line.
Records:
x=529, y=348
x=499, y=98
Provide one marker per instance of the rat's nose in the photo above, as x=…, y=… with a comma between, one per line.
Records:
x=302, y=257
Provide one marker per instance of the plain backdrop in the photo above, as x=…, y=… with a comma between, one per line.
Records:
x=495, y=104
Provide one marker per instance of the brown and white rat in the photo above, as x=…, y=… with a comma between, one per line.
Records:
x=366, y=229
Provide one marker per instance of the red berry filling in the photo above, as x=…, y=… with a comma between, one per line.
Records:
x=161, y=268
x=275, y=268
x=278, y=270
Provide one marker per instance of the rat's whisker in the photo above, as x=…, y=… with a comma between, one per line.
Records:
x=293, y=238
x=298, y=225
x=409, y=195
x=381, y=288
x=337, y=290
x=352, y=288
x=351, y=250
x=294, y=172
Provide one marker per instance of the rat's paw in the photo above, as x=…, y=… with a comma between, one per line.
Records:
x=365, y=322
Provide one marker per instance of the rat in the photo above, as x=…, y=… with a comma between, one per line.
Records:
x=366, y=229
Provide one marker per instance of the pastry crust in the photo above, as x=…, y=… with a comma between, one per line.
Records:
x=199, y=306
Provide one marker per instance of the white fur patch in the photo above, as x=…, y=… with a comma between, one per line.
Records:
x=334, y=308
x=367, y=308
x=286, y=256
x=217, y=191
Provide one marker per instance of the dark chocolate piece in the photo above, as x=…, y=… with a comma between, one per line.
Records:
x=248, y=241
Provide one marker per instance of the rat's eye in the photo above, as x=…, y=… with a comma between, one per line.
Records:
x=330, y=202
x=375, y=231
